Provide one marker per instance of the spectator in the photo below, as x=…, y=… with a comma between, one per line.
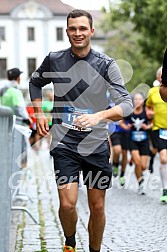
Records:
x=12, y=97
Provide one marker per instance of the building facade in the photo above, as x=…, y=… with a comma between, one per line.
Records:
x=29, y=30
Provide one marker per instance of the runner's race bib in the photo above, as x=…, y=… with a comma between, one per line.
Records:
x=70, y=114
x=163, y=134
x=139, y=136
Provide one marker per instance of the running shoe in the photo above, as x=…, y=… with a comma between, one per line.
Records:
x=69, y=249
x=115, y=170
x=163, y=198
x=122, y=181
x=141, y=189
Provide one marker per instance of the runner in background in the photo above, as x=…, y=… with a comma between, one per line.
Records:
x=139, y=124
x=119, y=149
x=35, y=137
x=153, y=144
x=159, y=107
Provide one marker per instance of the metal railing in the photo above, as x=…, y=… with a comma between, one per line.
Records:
x=19, y=156
x=11, y=154
x=6, y=124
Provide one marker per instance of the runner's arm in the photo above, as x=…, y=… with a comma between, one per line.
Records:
x=163, y=87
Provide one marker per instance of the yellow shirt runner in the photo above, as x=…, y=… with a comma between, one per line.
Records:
x=160, y=109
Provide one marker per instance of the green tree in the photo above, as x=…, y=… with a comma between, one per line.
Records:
x=128, y=38
x=150, y=19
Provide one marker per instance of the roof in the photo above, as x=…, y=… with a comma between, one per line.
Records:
x=55, y=6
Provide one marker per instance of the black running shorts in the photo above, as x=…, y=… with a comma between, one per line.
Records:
x=142, y=147
x=160, y=143
x=96, y=168
x=120, y=138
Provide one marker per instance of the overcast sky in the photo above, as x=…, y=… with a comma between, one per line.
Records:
x=87, y=4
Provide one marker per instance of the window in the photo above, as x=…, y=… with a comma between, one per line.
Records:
x=2, y=33
x=59, y=33
x=3, y=68
x=31, y=66
x=31, y=33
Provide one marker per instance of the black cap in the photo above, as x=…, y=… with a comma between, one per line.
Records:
x=13, y=73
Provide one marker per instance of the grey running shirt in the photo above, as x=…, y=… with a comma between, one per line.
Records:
x=80, y=86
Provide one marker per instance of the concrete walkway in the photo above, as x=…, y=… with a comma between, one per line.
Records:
x=134, y=222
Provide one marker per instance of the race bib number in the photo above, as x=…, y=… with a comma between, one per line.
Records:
x=163, y=134
x=70, y=114
x=139, y=136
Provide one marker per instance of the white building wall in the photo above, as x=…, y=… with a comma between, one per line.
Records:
x=53, y=44
x=17, y=49
x=30, y=49
x=8, y=46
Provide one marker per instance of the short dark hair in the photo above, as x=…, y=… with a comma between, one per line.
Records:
x=79, y=13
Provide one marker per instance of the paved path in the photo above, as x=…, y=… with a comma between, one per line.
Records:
x=134, y=222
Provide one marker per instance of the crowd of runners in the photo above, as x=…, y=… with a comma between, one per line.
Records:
x=143, y=134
